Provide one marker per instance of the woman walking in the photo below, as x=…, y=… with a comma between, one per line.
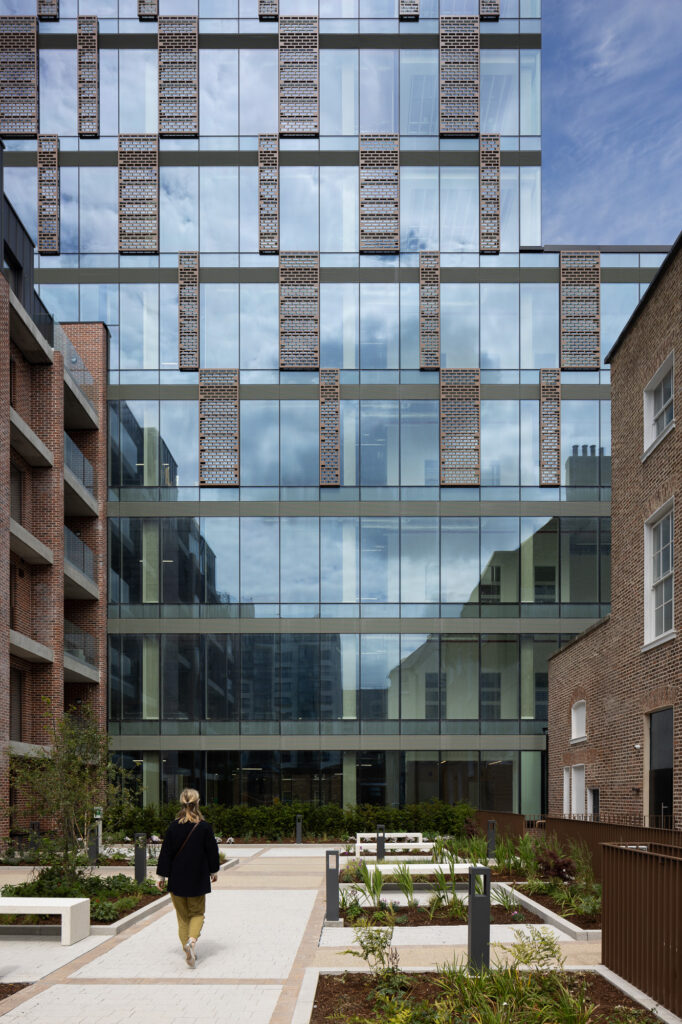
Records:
x=189, y=860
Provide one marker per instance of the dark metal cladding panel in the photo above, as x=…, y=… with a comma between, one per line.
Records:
x=580, y=309
x=460, y=428
x=550, y=428
x=48, y=195
x=179, y=77
x=268, y=10
x=19, y=90
x=148, y=10
x=429, y=310
x=489, y=194
x=219, y=428
x=408, y=10
x=188, y=310
x=489, y=10
x=138, y=193
x=48, y=10
x=459, y=76
x=299, y=310
x=379, y=193
x=88, y=78
x=268, y=194
x=330, y=457
x=299, y=77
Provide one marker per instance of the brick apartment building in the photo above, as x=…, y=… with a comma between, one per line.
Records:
x=52, y=509
x=615, y=697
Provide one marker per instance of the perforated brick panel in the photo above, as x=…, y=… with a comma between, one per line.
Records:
x=48, y=10
x=147, y=10
x=48, y=194
x=550, y=428
x=489, y=193
x=579, y=296
x=460, y=428
x=429, y=310
x=299, y=310
x=268, y=10
x=330, y=459
x=379, y=193
x=459, y=77
x=188, y=310
x=178, y=77
x=138, y=193
x=19, y=114
x=299, y=77
x=88, y=78
x=408, y=10
x=219, y=428
x=489, y=10
x=268, y=194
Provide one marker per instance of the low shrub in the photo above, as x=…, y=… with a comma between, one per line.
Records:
x=110, y=898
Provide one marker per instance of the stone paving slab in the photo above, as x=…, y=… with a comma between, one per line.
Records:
x=235, y=850
x=299, y=851
x=148, y=1004
x=32, y=958
x=247, y=934
x=436, y=935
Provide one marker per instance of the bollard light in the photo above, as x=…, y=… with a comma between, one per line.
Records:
x=479, y=920
x=299, y=828
x=332, y=871
x=492, y=838
x=93, y=845
x=381, y=842
x=140, y=856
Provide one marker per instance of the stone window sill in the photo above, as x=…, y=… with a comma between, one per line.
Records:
x=663, y=639
x=578, y=739
x=655, y=443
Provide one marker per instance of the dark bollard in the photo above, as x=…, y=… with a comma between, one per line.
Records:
x=381, y=842
x=479, y=920
x=93, y=845
x=332, y=913
x=492, y=838
x=140, y=856
x=299, y=828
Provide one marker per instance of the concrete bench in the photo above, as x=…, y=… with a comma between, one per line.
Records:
x=75, y=914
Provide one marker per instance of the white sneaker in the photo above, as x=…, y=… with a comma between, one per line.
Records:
x=190, y=955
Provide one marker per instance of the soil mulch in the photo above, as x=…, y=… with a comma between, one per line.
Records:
x=31, y=919
x=10, y=989
x=581, y=920
x=342, y=997
x=416, y=917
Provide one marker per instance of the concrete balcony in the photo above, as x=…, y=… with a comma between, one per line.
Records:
x=21, y=646
x=27, y=443
x=79, y=387
x=79, y=572
x=25, y=335
x=79, y=482
x=80, y=655
x=26, y=546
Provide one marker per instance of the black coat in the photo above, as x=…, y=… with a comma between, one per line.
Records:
x=188, y=870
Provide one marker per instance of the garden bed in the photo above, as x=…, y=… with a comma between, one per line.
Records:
x=8, y=989
x=121, y=911
x=419, y=917
x=585, y=921
x=353, y=997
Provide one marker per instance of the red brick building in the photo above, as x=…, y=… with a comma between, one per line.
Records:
x=615, y=693
x=52, y=510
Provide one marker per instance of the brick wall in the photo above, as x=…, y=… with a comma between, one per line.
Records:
x=606, y=666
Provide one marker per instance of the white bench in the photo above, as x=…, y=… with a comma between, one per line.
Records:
x=75, y=914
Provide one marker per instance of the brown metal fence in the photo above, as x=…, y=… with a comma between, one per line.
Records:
x=642, y=920
x=594, y=833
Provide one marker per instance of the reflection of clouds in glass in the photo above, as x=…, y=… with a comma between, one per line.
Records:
x=21, y=185
x=259, y=326
x=299, y=554
x=459, y=209
x=379, y=326
x=248, y=209
x=499, y=443
x=180, y=432
x=379, y=443
x=339, y=325
x=299, y=207
x=419, y=559
x=108, y=92
x=418, y=208
x=258, y=91
x=99, y=209
x=379, y=90
x=378, y=658
x=219, y=208
x=338, y=209
x=61, y=301
x=219, y=320
x=459, y=324
x=299, y=444
x=379, y=560
x=259, y=559
x=459, y=559
x=222, y=538
x=139, y=92
x=339, y=553
x=509, y=209
x=58, y=92
x=178, y=209
x=499, y=326
x=218, y=78
x=139, y=335
x=338, y=91
x=419, y=92
x=68, y=209
x=500, y=91
x=259, y=443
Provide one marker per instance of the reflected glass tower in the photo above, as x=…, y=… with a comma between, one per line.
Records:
x=359, y=437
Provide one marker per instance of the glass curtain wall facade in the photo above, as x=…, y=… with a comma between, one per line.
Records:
x=385, y=638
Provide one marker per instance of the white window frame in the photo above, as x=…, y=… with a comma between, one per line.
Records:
x=578, y=721
x=591, y=790
x=578, y=790
x=651, y=438
x=567, y=791
x=651, y=639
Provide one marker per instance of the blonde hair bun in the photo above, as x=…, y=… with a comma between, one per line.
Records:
x=189, y=806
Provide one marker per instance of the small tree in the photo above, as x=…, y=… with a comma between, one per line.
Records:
x=70, y=776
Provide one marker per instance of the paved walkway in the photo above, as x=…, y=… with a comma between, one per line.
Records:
x=263, y=928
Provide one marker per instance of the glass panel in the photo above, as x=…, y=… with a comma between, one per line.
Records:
x=379, y=326
x=418, y=92
x=339, y=211
x=531, y=113
x=379, y=464
x=419, y=559
x=378, y=91
x=419, y=679
x=380, y=677
x=379, y=565
x=179, y=421
x=182, y=658
x=540, y=561
x=579, y=560
x=459, y=560
x=459, y=659
x=221, y=560
x=499, y=443
x=300, y=559
x=459, y=209
x=339, y=327
x=300, y=680
x=259, y=559
x=339, y=550
x=419, y=452
x=218, y=83
x=418, y=208
x=500, y=91
x=219, y=190
x=539, y=325
x=499, y=560
x=138, y=90
x=299, y=190
x=579, y=432
x=499, y=326
x=338, y=92
x=299, y=444
x=260, y=679
x=258, y=91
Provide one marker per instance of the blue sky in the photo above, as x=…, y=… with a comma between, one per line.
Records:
x=612, y=121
